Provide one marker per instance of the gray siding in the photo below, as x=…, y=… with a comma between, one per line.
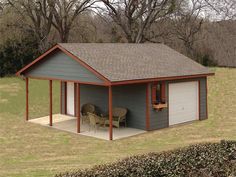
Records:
x=160, y=119
x=63, y=98
x=132, y=97
x=97, y=95
x=60, y=66
x=203, y=99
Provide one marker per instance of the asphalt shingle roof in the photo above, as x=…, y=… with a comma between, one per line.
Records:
x=120, y=62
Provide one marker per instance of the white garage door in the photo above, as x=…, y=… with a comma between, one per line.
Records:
x=183, y=102
x=70, y=98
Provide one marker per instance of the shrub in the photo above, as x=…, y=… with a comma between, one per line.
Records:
x=15, y=54
x=207, y=61
x=206, y=160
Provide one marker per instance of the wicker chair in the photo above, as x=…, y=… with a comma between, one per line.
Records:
x=95, y=121
x=87, y=108
x=118, y=116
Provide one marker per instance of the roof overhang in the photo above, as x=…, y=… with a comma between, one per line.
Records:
x=138, y=81
x=107, y=82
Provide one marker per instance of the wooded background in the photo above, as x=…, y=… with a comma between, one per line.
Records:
x=204, y=30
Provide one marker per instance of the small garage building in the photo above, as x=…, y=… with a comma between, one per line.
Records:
x=159, y=86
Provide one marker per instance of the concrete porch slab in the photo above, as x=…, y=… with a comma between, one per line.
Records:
x=68, y=123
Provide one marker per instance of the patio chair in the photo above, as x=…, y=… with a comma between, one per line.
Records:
x=87, y=108
x=118, y=117
x=94, y=121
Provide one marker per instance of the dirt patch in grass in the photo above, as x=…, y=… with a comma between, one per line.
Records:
x=3, y=100
x=10, y=88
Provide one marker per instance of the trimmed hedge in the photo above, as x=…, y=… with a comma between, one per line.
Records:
x=205, y=160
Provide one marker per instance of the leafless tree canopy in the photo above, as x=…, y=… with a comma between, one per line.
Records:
x=185, y=25
x=135, y=17
x=187, y=21
x=65, y=12
x=222, y=9
x=39, y=14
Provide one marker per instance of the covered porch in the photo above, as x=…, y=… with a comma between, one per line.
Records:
x=81, y=84
x=74, y=95
x=68, y=124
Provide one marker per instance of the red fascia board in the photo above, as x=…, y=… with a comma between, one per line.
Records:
x=75, y=81
x=138, y=81
x=68, y=54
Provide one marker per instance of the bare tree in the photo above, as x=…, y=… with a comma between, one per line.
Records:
x=37, y=11
x=187, y=22
x=1, y=6
x=65, y=12
x=222, y=9
x=135, y=17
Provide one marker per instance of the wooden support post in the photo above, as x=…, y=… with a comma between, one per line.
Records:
x=147, y=107
x=65, y=98
x=199, y=100
x=78, y=108
x=206, y=99
x=50, y=104
x=110, y=114
x=61, y=96
x=27, y=98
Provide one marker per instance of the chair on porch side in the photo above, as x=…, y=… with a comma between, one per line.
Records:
x=87, y=108
x=94, y=121
x=118, y=116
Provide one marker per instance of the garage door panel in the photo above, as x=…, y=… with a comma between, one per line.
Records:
x=183, y=102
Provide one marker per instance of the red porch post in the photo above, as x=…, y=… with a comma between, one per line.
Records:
x=61, y=96
x=78, y=108
x=50, y=104
x=110, y=114
x=27, y=98
x=206, y=99
x=65, y=98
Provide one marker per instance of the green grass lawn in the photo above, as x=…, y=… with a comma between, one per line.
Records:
x=28, y=149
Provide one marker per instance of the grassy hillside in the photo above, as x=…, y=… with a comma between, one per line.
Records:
x=31, y=150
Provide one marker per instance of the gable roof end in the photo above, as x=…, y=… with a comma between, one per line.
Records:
x=67, y=53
